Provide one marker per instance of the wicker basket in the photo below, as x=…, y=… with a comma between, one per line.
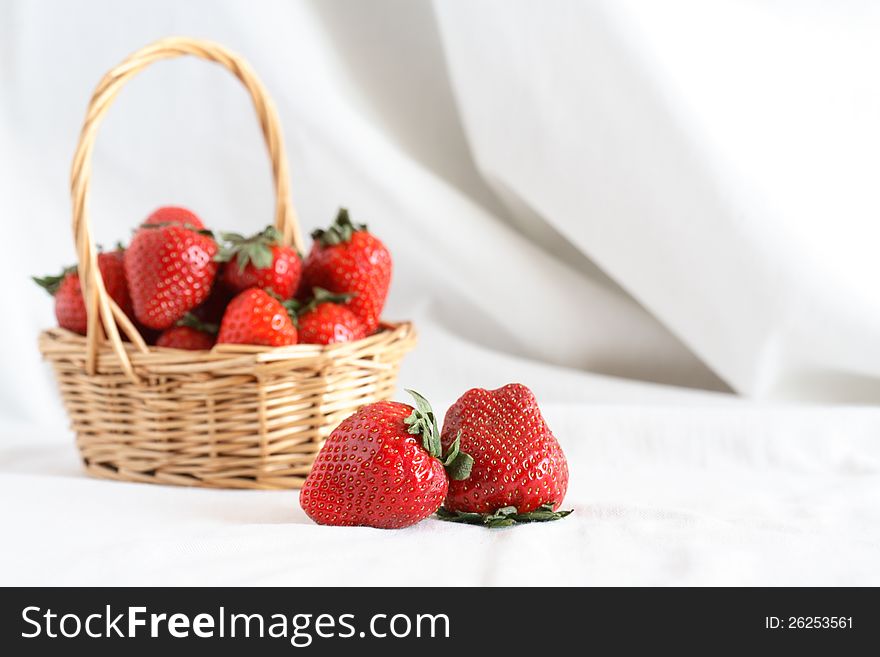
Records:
x=233, y=417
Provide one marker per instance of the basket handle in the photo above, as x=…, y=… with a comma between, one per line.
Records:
x=100, y=307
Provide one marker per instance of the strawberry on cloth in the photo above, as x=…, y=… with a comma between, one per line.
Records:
x=520, y=473
x=382, y=468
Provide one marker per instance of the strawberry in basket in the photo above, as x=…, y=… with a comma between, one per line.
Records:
x=70, y=307
x=260, y=261
x=519, y=474
x=170, y=270
x=382, y=468
x=171, y=214
x=256, y=317
x=254, y=397
x=347, y=259
x=325, y=320
x=189, y=333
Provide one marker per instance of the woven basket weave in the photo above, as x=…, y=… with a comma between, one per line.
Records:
x=233, y=417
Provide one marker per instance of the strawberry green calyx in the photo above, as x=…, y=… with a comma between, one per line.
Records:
x=503, y=517
x=52, y=283
x=423, y=421
x=340, y=230
x=319, y=295
x=458, y=464
x=296, y=308
x=194, y=322
x=255, y=250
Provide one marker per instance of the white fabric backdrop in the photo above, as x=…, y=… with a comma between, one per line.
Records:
x=683, y=195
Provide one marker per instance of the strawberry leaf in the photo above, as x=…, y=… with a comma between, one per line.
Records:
x=457, y=463
x=320, y=295
x=340, y=231
x=52, y=283
x=255, y=250
x=503, y=517
x=422, y=421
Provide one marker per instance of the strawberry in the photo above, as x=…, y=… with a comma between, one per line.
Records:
x=256, y=317
x=260, y=261
x=381, y=468
x=347, y=259
x=70, y=307
x=520, y=473
x=174, y=215
x=189, y=333
x=325, y=321
x=170, y=270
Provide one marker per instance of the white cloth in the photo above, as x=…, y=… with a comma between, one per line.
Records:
x=668, y=488
x=681, y=195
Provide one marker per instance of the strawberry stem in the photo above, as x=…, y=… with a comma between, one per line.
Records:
x=503, y=517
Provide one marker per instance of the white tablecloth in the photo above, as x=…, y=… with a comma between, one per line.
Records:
x=678, y=192
x=668, y=488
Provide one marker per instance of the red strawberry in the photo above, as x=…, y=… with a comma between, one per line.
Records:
x=185, y=337
x=189, y=333
x=256, y=317
x=520, y=473
x=381, y=468
x=260, y=261
x=170, y=270
x=174, y=215
x=112, y=267
x=70, y=307
x=346, y=259
x=325, y=321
